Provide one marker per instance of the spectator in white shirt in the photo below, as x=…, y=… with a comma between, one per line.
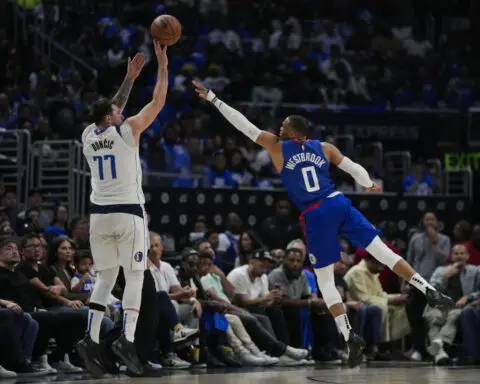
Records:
x=163, y=273
x=251, y=291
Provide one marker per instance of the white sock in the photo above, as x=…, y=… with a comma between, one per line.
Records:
x=420, y=283
x=343, y=325
x=130, y=318
x=95, y=318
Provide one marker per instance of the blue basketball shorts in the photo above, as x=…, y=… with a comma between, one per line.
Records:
x=329, y=219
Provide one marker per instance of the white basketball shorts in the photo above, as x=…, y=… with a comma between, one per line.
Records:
x=119, y=239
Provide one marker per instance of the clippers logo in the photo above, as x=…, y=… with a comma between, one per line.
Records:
x=138, y=257
x=313, y=259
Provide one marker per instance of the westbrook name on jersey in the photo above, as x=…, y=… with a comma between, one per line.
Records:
x=305, y=173
x=114, y=161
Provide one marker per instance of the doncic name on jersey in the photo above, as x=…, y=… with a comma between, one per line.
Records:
x=102, y=144
x=302, y=158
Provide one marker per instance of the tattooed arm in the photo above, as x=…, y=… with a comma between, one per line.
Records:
x=135, y=66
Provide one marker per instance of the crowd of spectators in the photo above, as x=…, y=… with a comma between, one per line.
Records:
x=230, y=298
x=236, y=297
x=356, y=53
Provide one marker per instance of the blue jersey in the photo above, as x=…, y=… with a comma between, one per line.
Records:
x=305, y=174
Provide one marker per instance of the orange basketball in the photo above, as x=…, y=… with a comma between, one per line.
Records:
x=166, y=29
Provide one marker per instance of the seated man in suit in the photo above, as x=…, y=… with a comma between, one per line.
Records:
x=460, y=281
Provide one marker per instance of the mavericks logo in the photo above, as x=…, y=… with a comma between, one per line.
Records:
x=313, y=259
x=138, y=257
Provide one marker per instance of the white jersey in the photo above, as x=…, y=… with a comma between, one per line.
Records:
x=114, y=161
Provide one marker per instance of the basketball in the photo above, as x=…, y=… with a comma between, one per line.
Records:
x=166, y=29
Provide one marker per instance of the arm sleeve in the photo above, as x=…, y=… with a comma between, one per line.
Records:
x=359, y=174
x=238, y=120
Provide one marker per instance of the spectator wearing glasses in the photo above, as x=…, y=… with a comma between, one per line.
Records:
x=64, y=327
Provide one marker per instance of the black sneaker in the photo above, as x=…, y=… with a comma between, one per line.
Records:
x=225, y=355
x=356, y=345
x=90, y=352
x=27, y=369
x=127, y=353
x=436, y=299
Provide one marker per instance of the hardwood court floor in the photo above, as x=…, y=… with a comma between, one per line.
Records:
x=381, y=373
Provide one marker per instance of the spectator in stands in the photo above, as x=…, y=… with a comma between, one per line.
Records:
x=218, y=175
x=9, y=206
x=277, y=231
x=473, y=246
x=461, y=282
x=419, y=182
x=366, y=319
x=427, y=251
x=330, y=37
x=59, y=222
x=364, y=286
x=227, y=249
x=18, y=332
x=266, y=91
x=239, y=169
x=80, y=232
x=48, y=288
x=65, y=327
x=248, y=244
x=278, y=255
x=35, y=200
x=462, y=232
x=164, y=274
x=60, y=258
x=190, y=310
x=252, y=292
x=293, y=283
x=258, y=326
x=470, y=328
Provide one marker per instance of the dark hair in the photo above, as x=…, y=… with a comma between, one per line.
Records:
x=100, y=109
x=54, y=219
x=187, y=252
x=293, y=250
x=27, y=237
x=244, y=255
x=81, y=255
x=52, y=255
x=205, y=255
x=299, y=124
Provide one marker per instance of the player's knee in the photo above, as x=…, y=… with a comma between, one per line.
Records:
x=108, y=276
x=326, y=284
x=131, y=275
x=378, y=249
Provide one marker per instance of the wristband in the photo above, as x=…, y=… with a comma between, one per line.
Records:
x=211, y=97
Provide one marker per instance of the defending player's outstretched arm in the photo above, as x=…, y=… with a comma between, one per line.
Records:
x=267, y=140
x=134, y=69
x=142, y=120
x=359, y=174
